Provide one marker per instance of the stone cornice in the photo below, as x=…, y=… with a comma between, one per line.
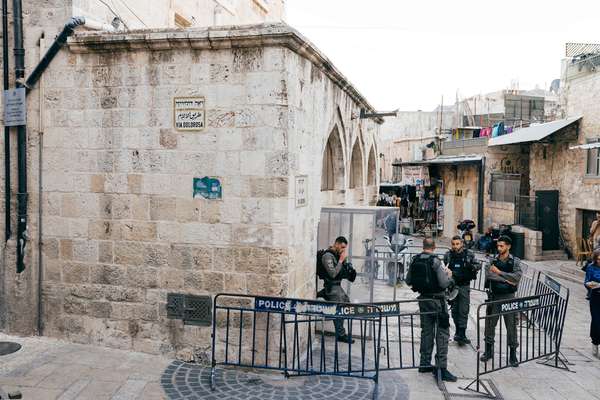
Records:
x=223, y=37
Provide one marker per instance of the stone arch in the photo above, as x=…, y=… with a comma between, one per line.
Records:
x=356, y=166
x=372, y=168
x=334, y=172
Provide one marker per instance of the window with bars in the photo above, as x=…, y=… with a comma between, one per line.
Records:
x=593, y=160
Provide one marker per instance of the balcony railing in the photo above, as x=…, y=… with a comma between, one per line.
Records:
x=584, y=64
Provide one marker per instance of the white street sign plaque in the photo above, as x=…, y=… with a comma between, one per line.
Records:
x=15, y=107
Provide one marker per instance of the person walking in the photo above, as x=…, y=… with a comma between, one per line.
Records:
x=429, y=278
x=592, y=283
x=502, y=282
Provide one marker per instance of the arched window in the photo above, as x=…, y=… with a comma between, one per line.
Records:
x=371, y=169
x=356, y=167
x=332, y=175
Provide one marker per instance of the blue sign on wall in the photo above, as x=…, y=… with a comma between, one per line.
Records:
x=209, y=188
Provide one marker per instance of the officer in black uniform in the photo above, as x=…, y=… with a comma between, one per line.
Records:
x=502, y=281
x=464, y=268
x=333, y=269
x=429, y=278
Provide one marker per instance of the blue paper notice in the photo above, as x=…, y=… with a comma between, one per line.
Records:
x=209, y=188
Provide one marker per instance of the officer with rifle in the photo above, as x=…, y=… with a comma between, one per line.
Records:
x=502, y=281
x=464, y=269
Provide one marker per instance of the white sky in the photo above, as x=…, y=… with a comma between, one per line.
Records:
x=406, y=54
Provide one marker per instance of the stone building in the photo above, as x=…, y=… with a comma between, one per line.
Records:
x=143, y=14
x=112, y=179
x=405, y=137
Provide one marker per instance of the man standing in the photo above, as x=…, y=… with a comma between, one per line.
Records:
x=332, y=269
x=595, y=232
x=429, y=278
x=502, y=281
x=464, y=268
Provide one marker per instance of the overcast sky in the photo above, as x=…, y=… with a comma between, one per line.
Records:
x=407, y=54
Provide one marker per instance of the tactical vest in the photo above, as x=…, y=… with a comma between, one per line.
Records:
x=459, y=264
x=497, y=287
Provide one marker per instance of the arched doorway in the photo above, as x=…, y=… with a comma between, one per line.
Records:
x=333, y=173
x=371, y=169
x=356, y=167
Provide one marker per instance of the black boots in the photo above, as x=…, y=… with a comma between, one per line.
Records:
x=461, y=337
x=345, y=339
x=512, y=357
x=444, y=374
x=425, y=368
x=513, y=360
x=489, y=353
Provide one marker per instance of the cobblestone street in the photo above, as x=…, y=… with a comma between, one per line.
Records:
x=49, y=369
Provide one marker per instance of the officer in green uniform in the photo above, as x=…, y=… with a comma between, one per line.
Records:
x=429, y=278
x=332, y=270
x=502, y=281
x=464, y=268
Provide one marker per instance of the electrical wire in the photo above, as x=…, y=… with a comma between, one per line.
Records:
x=134, y=14
x=114, y=13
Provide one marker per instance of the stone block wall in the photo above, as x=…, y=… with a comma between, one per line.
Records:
x=121, y=228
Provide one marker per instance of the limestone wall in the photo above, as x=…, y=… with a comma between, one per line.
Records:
x=143, y=14
x=317, y=107
x=121, y=228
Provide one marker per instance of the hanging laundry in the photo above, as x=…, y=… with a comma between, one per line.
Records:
x=495, y=131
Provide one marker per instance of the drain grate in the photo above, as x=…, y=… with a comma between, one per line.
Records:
x=193, y=310
x=9, y=348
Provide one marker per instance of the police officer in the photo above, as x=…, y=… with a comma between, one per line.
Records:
x=334, y=264
x=502, y=281
x=429, y=278
x=464, y=268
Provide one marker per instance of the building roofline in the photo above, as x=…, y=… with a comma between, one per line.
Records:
x=221, y=37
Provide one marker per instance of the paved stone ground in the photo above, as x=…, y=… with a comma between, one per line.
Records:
x=50, y=369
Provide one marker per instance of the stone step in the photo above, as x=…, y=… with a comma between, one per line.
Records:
x=567, y=276
x=572, y=269
x=553, y=255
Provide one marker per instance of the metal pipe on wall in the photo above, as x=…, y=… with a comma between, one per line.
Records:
x=5, y=65
x=22, y=194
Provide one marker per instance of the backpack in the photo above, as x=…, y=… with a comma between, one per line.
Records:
x=321, y=271
x=422, y=276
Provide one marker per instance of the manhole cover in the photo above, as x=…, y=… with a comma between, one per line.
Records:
x=8, y=348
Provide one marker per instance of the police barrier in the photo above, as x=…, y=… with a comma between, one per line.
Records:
x=539, y=320
x=288, y=335
x=400, y=336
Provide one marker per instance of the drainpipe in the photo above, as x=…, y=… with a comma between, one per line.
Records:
x=22, y=130
x=21, y=139
x=7, y=216
x=60, y=41
x=480, y=195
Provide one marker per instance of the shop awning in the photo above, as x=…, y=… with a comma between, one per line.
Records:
x=470, y=159
x=586, y=146
x=533, y=133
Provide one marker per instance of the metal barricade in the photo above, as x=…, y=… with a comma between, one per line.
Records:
x=288, y=335
x=400, y=336
x=539, y=320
